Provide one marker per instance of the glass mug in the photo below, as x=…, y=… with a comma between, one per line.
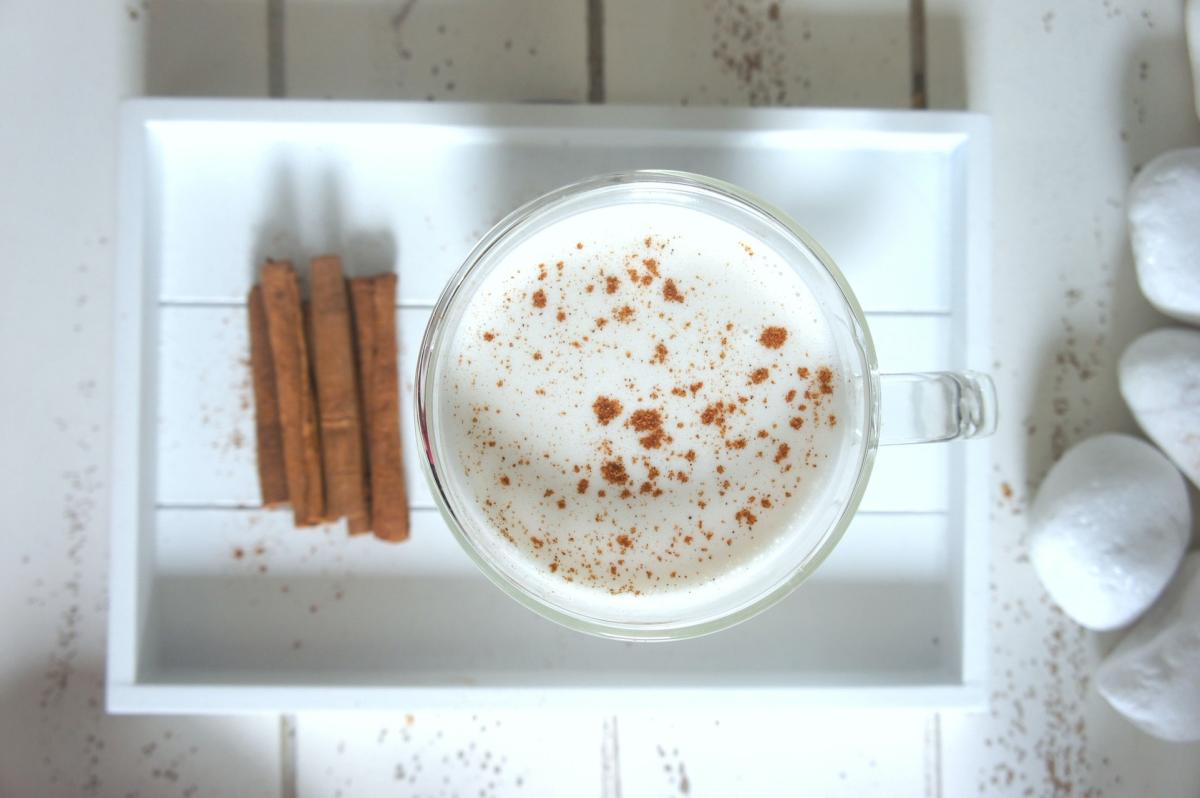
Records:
x=888, y=408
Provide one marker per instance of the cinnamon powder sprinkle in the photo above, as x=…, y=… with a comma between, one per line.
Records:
x=782, y=452
x=561, y=315
x=504, y=480
x=613, y=472
x=671, y=292
x=796, y=423
x=606, y=409
x=759, y=375
x=624, y=314
x=539, y=298
x=744, y=515
x=695, y=386
x=645, y=420
x=660, y=353
x=582, y=486
x=489, y=336
x=611, y=284
x=825, y=379
x=651, y=265
x=773, y=337
x=790, y=395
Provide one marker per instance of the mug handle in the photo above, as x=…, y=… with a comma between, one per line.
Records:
x=936, y=406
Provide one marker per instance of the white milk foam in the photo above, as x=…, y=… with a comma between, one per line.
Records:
x=647, y=407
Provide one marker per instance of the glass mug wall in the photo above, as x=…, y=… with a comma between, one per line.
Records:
x=649, y=405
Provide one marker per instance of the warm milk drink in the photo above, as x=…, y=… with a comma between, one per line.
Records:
x=645, y=409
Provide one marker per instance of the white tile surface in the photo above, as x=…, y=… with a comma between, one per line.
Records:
x=56, y=218
x=1080, y=95
x=436, y=49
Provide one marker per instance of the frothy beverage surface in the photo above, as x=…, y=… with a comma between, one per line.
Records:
x=645, y=404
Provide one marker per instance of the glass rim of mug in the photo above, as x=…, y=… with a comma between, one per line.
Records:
x=424, y=388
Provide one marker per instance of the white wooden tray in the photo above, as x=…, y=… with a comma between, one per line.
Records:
x=219, y=606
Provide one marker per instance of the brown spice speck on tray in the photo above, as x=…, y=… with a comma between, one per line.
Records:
x=759, y=375
x=582, y=486
x=671, y=291
x=539, y=299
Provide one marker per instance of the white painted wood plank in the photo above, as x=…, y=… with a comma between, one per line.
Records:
x=436, y=50
x=64, y=67
x=244, y=598
x=489, y=753
x=1080, y=96
x=203, y=48
x=773, y=754
x=416, y=199
x=758, y=52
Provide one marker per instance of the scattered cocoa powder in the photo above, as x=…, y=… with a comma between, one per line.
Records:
x=489, y=336
x=582, y=486
x=782, y=452
x=759, y=375
x=539, y=298
x=611, y=284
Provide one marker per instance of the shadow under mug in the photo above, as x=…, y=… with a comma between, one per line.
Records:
x=889, y=408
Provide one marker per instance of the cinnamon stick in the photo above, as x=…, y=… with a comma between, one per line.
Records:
x=343, y=458
x=272, y=479
x=293, y=385
x=374, y=304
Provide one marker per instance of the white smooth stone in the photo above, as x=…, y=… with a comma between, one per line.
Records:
x=1164, y=204
x=1153, y=676
x=1160, y=380
x=1108, y=528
